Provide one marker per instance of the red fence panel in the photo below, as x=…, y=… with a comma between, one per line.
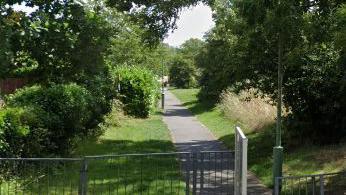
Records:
x=10, y=85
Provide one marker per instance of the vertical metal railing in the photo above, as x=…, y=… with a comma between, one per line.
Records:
x=209, y=172
x=194, y=173
x=83, y=182
x=319, y=184
x=157, y=173
x=240, y=171
x=39, y=176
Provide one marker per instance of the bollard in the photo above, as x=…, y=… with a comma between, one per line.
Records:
x=163, y=100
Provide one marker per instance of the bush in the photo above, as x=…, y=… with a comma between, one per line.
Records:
x=103, y=91
x=22, y=132
x=182, y=73
x=12, y=132
x=139, y=90
x=65, y=111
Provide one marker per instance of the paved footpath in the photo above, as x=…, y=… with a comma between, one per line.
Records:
x=189, y=135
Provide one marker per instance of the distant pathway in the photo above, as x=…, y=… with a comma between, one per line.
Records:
x=189, y=135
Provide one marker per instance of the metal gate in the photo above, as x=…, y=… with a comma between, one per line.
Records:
x=209, y=172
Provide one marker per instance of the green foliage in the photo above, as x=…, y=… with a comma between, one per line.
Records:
x=66, y=112
x=12, y=131
x=242, y=52
x=22, y=132
x=157, y=17
x=65, y=42
x=182, y=73
x=59, y=42
x=191, y=48
x=139, y=90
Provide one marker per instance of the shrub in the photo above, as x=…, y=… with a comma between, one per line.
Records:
x=22, y=132
x=138, y=91
x=12, y=132
x=66, y=111
x=182, y=73
x=103, y=91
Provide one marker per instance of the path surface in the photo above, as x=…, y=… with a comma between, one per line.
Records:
x=189, y=135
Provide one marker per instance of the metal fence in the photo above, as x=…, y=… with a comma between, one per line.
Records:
x=320, y=184
x=241, y=143
x=212, y=172
x=209, y=172
x=158, y=173
x=39, y=176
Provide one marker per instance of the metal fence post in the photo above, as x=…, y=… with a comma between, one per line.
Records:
x=236, y=164
x=313, y=185
x=244, y=165
x=187, y=179
x=240, y=178
x=321, y=184
x=83, y=181
x=194, y=169
x=202, y=171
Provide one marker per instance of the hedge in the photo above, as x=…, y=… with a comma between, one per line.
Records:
x=59, y=115
x=139, y=90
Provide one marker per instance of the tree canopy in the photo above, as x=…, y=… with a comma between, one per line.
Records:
x=242, y=52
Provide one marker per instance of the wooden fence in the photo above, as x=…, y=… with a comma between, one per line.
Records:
x=10, y=85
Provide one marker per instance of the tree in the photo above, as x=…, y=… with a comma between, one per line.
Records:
x=191, y=48
x=57, y=42
x=182, y=73
x=157, y=16
x=242, y=52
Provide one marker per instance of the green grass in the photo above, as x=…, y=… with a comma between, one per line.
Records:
x=307, y=159
x=132, y=136
x=114, y=175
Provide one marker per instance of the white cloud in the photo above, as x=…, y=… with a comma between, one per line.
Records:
x=193, y=23
x=24, y=8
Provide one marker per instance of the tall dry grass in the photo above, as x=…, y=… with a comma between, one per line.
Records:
x=248, y=108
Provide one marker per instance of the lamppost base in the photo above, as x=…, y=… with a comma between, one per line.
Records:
x=278, y=162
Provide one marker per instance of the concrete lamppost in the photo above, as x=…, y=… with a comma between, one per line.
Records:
x=278, y=149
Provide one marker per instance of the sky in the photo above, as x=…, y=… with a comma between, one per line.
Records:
x=22, y=7
x=193, y=23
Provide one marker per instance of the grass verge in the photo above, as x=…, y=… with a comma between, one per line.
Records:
x=307, y=159
x=134, y=135
x=132, y=174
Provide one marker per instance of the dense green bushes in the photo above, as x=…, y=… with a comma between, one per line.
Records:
x=138, y=91
x=49, y=120
x=58, y=115
x=13, y=129
x=81, y=46
x=23, y=132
